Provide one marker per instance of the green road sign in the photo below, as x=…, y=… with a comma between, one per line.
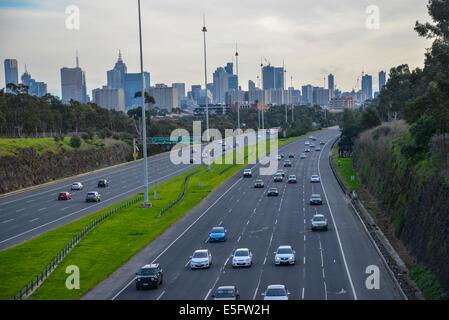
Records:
x=168, y=140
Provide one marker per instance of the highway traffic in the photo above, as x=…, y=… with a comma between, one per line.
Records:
x=31, y=213
x=329, y=265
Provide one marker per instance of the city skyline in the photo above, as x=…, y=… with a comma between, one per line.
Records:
x=306, y=46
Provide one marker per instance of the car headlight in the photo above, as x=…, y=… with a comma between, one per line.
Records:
x=292, y=257
x=277, y=258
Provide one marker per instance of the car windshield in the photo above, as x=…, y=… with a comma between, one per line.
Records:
x=91, y=194
x=62, y=194
x=201, y=254
x=316, y=196
x=318, y=218
x=217, y=230
x=242, y=253
x=148, y=272
x=258, y=181
x=284, y=251
x=292, y=177
x=273, y=190
x=276, y=292
x=225, y=293
x=314, y=176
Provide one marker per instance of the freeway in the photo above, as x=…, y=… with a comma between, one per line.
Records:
x=330, y=265
x=34, y=212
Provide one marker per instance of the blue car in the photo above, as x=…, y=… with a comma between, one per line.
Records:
x=217, y=234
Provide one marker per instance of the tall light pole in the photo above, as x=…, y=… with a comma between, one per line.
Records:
x=238, y=96
x=258, y=110
x=291, y=85
x=204, y=30
x=263, y=92
x=283, y=91
x=146, y=203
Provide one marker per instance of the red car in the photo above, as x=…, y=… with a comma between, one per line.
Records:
x=64, y=196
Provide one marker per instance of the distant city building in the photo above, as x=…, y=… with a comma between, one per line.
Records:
x=116, y=76
x=34, y=88
x=272, y=77
x=73, y=84
x=133, y=84
x=307, y=94
x=181, y=89
x=251, y=85
x=109, y=98
x=165, y=97
x=11, y=73
x=256, y=95
x=321, y=96
x=203, y=96
x=367, y=86
x=345, y=102
x=230, y=68
x=382, y=80
x=221, y=85
x=330, y=82
x=196, y=90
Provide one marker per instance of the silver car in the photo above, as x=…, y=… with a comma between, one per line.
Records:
x=276, y=292
x=93, y=196
x=315, y=178
x=242, y=258
x=319, y=222
x=77, y=186
x=291, y=179
x=201, y=259
x=284, y=255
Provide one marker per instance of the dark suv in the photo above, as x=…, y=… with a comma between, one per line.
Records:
x=103, y=183
x=149, y=275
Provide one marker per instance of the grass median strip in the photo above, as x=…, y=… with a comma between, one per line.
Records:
x=346, y=170
x=108, y=246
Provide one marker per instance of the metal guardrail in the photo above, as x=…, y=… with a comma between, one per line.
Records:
x=37, y=281
x=181, y=196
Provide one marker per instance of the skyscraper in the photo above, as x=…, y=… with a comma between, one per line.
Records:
x=268, y=77
x=221, y=85
x=229, y=68
x=382, y=80
x=232, y=82
x=11, y=73
x=34, y=88
x=109, y=98
x=251, y=85
x=367, y=86
x=73, y=84
x=307, y=94
x=181, y=89
x=116, y=76
x=279, y=78
x=133, y=84
x=330, y=82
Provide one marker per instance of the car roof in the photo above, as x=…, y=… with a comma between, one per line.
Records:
x=318, y=215
x=226, y=288
x=276, y=286
x=242, y=249
x=202, y=250
x=285, y=247
x=316, y=195
x=150, y=266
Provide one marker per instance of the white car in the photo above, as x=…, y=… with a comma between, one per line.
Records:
x=276, y=292
x=77, y=186
x=201, y=259
x=307, y=143
x=319, y=222
x=284, y=255
x=242, y=258
x=247, y=173
x=315, y=178
x=278, y=157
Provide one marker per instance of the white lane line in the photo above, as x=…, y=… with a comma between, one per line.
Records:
x=64, y=208
x=238, y=240
x=302, y=296
x=71, y=214
x=6, y=221
x=188, y=262
x=208, y=293
x=304, y=259
x=41, y=209
x=20, y=210
x=184, y=232
x=325, y=291
x=34, y=220
x=336, y=230
x=160, y=295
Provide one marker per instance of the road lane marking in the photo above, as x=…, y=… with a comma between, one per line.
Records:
x=20, y=210
x=160, y=295
x=336, y=230
x=6, y=221
x=34, y=220
x=41, y=209
x=71, y=214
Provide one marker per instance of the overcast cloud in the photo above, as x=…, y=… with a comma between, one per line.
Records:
x=313, y=37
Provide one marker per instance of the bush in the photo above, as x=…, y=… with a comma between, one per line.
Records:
x=58, y=138
x=85, y=136
x=75, y=142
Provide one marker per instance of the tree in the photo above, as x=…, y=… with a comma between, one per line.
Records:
x=75, y=141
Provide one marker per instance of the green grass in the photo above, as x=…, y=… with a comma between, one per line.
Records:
x=428, y=283
x=9, y=146
x=346, y=170
x=109, y=245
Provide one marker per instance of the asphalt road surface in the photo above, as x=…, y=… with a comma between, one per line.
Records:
x=31, y=213
x=330, y=265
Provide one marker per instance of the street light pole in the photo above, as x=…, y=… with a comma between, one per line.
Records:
x=146, y=203
x=263, y=92
x=204, y=30
x=238, y=95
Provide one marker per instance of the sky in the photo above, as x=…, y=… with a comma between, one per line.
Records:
x=313, y=38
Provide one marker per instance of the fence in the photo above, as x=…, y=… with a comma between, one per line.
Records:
x=181, y=196
x=41, y=277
